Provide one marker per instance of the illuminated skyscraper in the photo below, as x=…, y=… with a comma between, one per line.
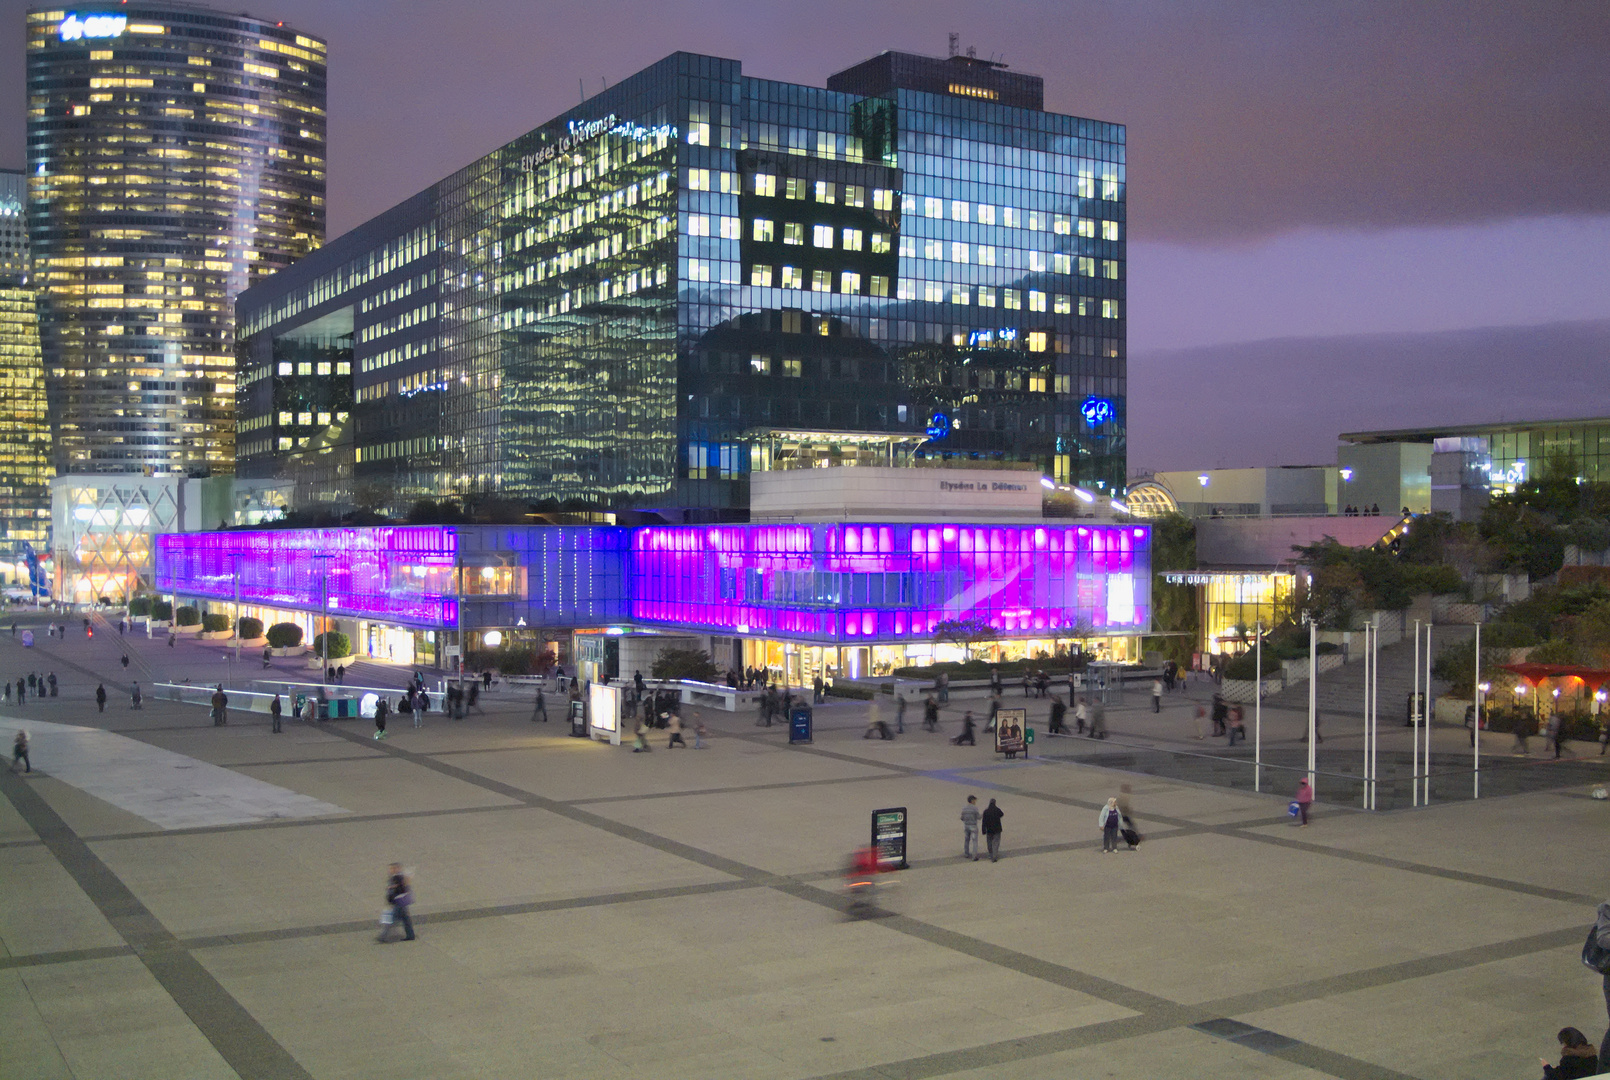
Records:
x=24, y=433
x=175, y=156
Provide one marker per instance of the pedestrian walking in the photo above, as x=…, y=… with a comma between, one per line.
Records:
x=930, y=714
x=1201, y=722
x=1081, y=716
x=900, y=714
x=966, y=738
x=1238, y=725
x=970, y=816
x=1126, y=819
x=875, y=724
x=171, y=639
x=268, y=656
x=995, y=680
x=1553, y=728
x=1305, y=799
x=20, y=690
x=994, y=710
x=50, y=680
x=33, y=681
x=274, y=711
x=219, y=701
x=640, y=742
x=381, y=709
x=1058, y=712
x=1523, y=735
x=1108, y=819
x=1098, y=719
x=699, y=732
x=674, y=725
x=100, y=698
x=136, y=701
x=475, y=699
x=1318, y=738
x=944, y=687
x=19, y=752
x=539, y=711
x=1157, y=695
x=1025, y=682
x=1221, y=713
x=125, y=660
x=399, y=898
x=991, y=822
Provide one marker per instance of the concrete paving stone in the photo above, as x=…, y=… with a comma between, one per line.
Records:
x=12, y=826
x=231, y=882
x=1179, y=1052
x=85, y=814
x=1489, y=1019
x=380, y=785
x=1271, y=918
x=27, y=1049
x=44, y=909
x=249, y=743
x=110, y=1018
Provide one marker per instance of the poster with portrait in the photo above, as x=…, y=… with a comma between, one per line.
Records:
x=1009, y=727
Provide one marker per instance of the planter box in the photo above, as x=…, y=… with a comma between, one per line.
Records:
x=315, y=661
x=1245, y=690
x=292, y=650
x=159, y=624
x=196, y=629
x=216, y=635
x=252, y=642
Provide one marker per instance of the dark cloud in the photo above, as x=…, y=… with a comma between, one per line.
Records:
x=1245, y=118
x=1284, y=402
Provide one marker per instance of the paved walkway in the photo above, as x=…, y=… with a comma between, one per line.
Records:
x=587, y=912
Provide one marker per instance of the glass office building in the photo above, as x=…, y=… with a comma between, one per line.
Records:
x=175, y=155
x=848, y=598
x=696, y=275
x=25, y=469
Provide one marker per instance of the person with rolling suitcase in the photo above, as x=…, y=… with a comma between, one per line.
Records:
x=1126, y=822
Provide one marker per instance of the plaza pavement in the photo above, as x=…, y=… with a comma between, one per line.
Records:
x=586, y=912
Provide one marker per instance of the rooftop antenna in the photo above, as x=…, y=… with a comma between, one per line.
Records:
x=581, y=90
x=955, y=44
x=972, y=52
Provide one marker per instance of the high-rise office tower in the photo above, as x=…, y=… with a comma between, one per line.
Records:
x=698, y=275
x=24, y=433
x=175, y=155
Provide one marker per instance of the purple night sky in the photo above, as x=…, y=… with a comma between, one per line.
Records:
x=1345, y=215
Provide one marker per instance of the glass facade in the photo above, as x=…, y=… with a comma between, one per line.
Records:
x=175, y=155
x=695, y=274
x=25, y=469
x=828, y=584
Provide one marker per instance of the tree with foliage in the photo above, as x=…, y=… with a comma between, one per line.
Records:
x=1174, y=608
x=964, y=632
x=340, y=645
x=675, y=663
x=248, y=628
x=285, y=635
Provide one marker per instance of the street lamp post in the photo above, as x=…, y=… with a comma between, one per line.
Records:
x=1475, y=725
x=235, y=558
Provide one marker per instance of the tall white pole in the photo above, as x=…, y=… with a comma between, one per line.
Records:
x=1313, y=699
x=1414, y=717
x=1364, y=796
x=1475, y=724
x=1375, y=718
x=237, y=609
x=1257, y=719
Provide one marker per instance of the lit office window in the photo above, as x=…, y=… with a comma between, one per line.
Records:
x=764, y=230
x=822, y=236
x=760, y=274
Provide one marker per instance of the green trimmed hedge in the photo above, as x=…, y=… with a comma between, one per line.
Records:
x=161, y=611
x=340, y=645
x=249, y=628
x=285, y=635
x=214, y=622
x=187, y=616
x=140, y=605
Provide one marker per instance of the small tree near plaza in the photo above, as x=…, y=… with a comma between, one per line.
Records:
x=340, y=645
x=285, y=635
x=161, y=610
x=248, y=628
x=215, y=622
x=967, y=633
x=695, y=664
x=187, y=616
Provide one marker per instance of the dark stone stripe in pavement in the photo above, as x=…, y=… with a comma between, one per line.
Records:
x=438, y=918
x=1298, y=1053
x=780, y=785
x=240, y=1040
x=64, y=956
x=1412, y=867
x=293, y=761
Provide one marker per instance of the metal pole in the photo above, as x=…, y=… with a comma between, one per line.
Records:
x=1313, y=699
x=1375, y=719
x=1414, y=716
x=237, y=607
x=1365, y=793
x=324, y=642
x=1475, y=723
x=1426, y=800
x=1257, y=719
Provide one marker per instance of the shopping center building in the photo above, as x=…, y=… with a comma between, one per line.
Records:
x=698, y=275
x=836, y=598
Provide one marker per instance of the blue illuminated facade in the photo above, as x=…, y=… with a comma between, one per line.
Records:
x=822, y=583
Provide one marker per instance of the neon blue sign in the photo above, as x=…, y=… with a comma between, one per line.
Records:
x=1097, y=411
x=76, y=27
x=938, y=426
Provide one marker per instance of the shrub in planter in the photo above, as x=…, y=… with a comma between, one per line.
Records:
x=188, y=616
x=285, y=635
x=1245, y=666
x=857, y=693
x=161, y=611
x=340, y=645
x=140, y=605
x=249, y=628
x=215, y=623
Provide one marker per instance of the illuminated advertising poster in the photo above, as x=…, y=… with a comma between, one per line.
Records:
x=604, y=712
x=1009, y=728
x=889, y=837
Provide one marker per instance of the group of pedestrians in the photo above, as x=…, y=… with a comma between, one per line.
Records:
x=33, y=685
x=1113, y=819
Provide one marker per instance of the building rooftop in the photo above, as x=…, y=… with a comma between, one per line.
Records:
x=1428, y=434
